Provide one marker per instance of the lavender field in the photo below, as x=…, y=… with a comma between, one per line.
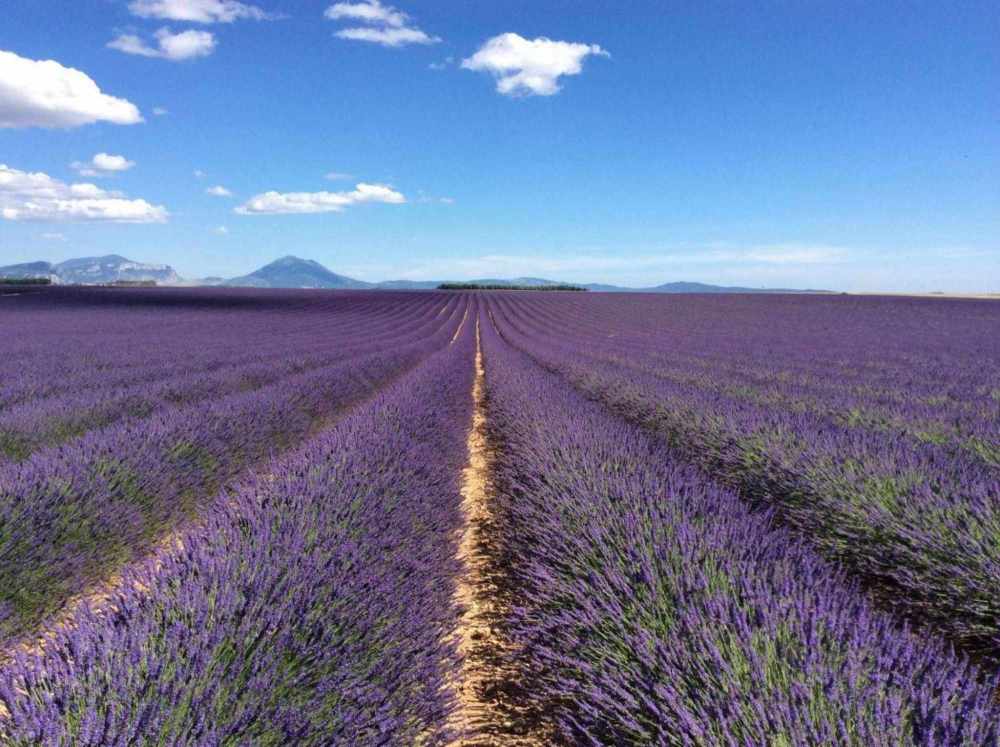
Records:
x=259, y=517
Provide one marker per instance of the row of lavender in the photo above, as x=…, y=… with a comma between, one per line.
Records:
x=311, y=606
x=289, y=346
x=648, y=606
x=69, y=341
x=70, y=515
x=919, y=519
x=908, y=367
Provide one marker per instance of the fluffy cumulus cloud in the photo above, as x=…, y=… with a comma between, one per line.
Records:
x=43, y=93
x=277, y=203
x=218, y=191
x=197, y=11
x=34, y=196
x=530, y=67
x=103, y=164
x=184, y=45
x=383, y=24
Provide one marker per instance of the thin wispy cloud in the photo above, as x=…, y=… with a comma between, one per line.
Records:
x=631, y=269
x=382, y=24
x=301, y=203
x=444, y=64
x=424, y=198
x=36, y=196
x=43, y=93
x=530, y=67
x=218, y=191
x=336, y=176
x=184, y=45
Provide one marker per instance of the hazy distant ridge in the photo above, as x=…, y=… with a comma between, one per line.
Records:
x=294, y=272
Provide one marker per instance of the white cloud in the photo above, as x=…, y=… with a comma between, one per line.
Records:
x=199, y=174
x=385, y=25
x=525, y=67
x=424, y=198
x=218, y=191
x=54, y=236
x=159, y=111
x=43, y=93
x=34, y=196
x=336, y=176
x=103, y=164
x=220, y=230
x=388, y=37
x=184, y=45
x=276, y=203
x=448, y=61
x=107, y=162
x=371, y=11
x=198, y=11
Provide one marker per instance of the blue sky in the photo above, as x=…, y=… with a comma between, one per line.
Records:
x=848, y=145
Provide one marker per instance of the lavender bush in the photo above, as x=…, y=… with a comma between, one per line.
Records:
x=311, y=606
x=71, y=514
x=708, y=520
x=915, y=518
x=649, y=606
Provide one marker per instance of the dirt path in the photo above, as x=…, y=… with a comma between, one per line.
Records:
x=477, y=721
x=461, y=326
x=472, y=710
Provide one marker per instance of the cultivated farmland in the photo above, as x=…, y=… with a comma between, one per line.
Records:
x=242, y=517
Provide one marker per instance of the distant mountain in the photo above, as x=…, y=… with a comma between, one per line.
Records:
x=514, y=281
x=94, y=270
x=407, y=285
x=27, y=270
x=431, y=284
x=293, y=272
x=689, y=287
x=677, y=287
x=88, y=270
